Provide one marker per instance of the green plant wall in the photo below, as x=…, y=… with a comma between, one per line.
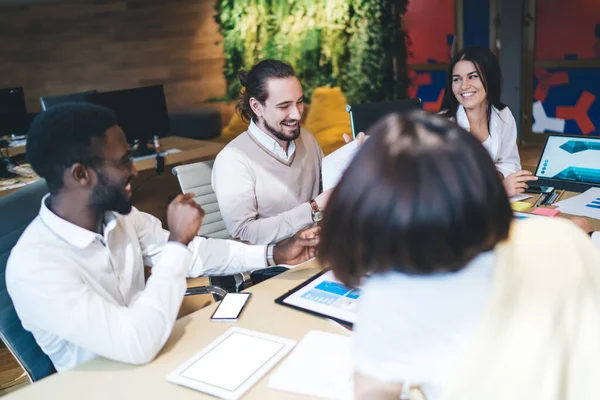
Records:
x=347, y=43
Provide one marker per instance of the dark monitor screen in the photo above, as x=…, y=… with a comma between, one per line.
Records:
x=13, y=112
x=364, y=116
x=141, y=112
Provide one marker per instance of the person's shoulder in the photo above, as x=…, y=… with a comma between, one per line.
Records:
x=505, y=114
x=309, y=138
x=239, y=142
x=236, y=148
x=36, y=245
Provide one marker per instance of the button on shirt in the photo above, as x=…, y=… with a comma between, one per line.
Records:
x=271, y=144
x=83, y=294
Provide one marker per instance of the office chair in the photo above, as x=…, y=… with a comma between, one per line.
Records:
x=18, y=209
x=196, y=178
x=363, y=116
x=51, y=101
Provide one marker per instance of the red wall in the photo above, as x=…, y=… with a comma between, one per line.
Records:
x=428, y=23
x=566, y=28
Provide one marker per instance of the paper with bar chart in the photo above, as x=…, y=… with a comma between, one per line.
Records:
x=586, y=204
x=326, y=295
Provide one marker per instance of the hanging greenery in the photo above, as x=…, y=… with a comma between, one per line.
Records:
x=347, y=43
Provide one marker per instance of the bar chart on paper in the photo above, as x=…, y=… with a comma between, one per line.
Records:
x=586, y=204
x=594, y=203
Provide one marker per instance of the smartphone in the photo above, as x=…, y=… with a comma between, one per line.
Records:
x=231, y=307
x=539, y=189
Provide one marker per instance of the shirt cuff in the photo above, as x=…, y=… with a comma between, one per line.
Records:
x=175, y=260
x=256, y=257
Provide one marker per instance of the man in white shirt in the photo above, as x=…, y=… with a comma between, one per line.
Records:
x=268, y=179
x=76, y=275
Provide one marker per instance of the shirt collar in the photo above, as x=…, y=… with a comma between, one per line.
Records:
x=463, y=121
x=461, y=118
x=69, y=232
x=271, y=144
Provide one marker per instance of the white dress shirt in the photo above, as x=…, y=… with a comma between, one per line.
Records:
x=83, y=294
x=502, y=142
x=421, y=341
x=271, y=144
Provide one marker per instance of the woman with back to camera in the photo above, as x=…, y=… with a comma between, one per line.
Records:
x=422, y=212
x=472, y=99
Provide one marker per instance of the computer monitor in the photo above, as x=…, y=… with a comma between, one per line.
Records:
x=13, y=112
x=141, y=113
x=363, y=116
x=53, y=101
x=570, y=159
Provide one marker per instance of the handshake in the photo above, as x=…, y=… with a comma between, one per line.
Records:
x=185, y=216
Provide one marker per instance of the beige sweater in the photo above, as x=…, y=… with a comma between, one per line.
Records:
x=262, y=198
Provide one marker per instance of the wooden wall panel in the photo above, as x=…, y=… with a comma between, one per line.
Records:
x=65, y=47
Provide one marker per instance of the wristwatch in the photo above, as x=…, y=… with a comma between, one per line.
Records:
x=317, y=215
x=270, y=260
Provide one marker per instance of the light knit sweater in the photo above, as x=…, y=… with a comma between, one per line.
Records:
x=262, y=198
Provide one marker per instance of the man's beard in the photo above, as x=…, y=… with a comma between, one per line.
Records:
x=110, y=197
x=282, y=136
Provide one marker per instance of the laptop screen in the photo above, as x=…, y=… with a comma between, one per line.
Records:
x=571, y=159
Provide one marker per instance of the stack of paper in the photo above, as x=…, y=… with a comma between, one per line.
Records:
x=320, y=366
x=334, y=165
x=586, y=204
x=519, y=197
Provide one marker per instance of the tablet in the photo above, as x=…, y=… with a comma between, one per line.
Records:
x=230, y=365
x=325, y=296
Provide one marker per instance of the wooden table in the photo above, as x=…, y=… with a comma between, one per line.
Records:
x=105, y=379
x=191, y=151
x=595, y=223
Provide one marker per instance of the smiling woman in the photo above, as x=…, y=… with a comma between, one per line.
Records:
x=472, y=99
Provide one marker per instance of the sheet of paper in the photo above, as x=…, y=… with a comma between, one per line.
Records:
x=13, y=186
x=519, y=197
x=334, y=165
x=320, y=366
x=586, y=204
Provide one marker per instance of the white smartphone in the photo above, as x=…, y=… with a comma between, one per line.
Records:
x=231, y=307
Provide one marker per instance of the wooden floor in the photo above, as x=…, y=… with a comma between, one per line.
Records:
x=12, y=376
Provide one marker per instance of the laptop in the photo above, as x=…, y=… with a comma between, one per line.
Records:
x=569, y=163
x=363, y=116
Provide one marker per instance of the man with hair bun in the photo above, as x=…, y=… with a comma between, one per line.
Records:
x=268, y=179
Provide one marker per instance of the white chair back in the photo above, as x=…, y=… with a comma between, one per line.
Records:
x=196, y=178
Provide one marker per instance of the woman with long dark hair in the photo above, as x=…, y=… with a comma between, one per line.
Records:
x=472, y=99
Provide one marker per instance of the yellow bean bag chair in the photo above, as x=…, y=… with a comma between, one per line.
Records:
x=328, y=118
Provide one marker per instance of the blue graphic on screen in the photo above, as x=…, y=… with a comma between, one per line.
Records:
x=328, y=292
x=594, y=203
x=573, y=159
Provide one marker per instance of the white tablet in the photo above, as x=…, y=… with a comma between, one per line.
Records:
x=230, y=365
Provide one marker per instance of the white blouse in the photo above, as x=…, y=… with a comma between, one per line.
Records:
x=502, y=142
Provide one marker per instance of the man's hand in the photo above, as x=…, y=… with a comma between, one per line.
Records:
x=323, y=198
x=184, y=217
x=360, y=138
x=583, y=223
x=515, y=182
x=300, y=248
